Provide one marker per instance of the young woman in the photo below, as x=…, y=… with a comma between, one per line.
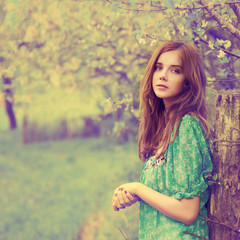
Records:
x=173, y=145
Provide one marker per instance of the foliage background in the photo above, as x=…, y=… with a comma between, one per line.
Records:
x=75, y=68
x=60, y=53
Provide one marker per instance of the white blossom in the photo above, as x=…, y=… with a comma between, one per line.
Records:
x=221, y=54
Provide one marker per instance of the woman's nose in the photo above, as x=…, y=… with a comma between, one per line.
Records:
x=163, y=75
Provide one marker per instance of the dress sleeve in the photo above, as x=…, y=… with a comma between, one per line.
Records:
x=191, y=160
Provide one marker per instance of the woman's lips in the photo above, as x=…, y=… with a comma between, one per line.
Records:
x=161, y=86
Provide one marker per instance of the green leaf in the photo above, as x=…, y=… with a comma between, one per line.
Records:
x=206, y=53
x=137, y=31
x=201, y=32
x=210, y=183
x=115, y=5
x=199, y=13
x=190, y=17
x=138, y=36
x=169, y=4
x=215, y=176
x=224, y=59
x=199, y=25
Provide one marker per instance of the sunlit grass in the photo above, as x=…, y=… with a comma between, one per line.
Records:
x=49, y=190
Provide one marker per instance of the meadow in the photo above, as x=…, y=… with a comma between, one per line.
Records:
x=62, y=190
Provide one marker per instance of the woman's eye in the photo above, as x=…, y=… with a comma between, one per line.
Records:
x=158, y=68
x=176, y=70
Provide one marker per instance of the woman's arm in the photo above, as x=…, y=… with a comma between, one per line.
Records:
x=183, y=210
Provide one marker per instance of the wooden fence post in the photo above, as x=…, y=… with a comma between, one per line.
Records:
x=225, y=195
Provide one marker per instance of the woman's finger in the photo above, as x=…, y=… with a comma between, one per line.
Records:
x=129, y=196
x=124, y=197
x=115, y=204
x=119, y=196
x=132, y=198
x=119, y=201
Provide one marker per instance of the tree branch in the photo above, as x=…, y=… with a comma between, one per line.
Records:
x=227, y=141
x=137, y=10
x=194, y=235
x=236, y=8
x=233, y=128
x=219, y=223
x=225, y=80
x=221, y=21
x=223, y=49
x=214, y=5
x=160, y=8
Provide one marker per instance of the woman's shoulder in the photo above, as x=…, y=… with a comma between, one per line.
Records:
x=190, y=121
x=189, y=118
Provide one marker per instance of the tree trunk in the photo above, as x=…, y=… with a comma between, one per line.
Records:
x=8, y=96
x=225, y=195
x=11, y=115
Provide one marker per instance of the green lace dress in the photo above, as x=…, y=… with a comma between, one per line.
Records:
x=179, y=174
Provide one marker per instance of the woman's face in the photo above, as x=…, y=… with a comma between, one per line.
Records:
x=168, y=78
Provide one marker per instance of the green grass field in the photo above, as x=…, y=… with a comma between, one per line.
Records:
x=62, y=190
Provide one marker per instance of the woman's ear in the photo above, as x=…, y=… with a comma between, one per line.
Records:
x=186, y=83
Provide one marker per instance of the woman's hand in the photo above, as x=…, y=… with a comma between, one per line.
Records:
x=124, y=196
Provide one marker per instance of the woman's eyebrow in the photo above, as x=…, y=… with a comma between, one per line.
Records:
x=174, y=65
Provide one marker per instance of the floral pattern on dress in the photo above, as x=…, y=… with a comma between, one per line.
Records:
x=153, y=161
x=180, y=175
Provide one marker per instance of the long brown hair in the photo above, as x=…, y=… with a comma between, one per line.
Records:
x=155, y=124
